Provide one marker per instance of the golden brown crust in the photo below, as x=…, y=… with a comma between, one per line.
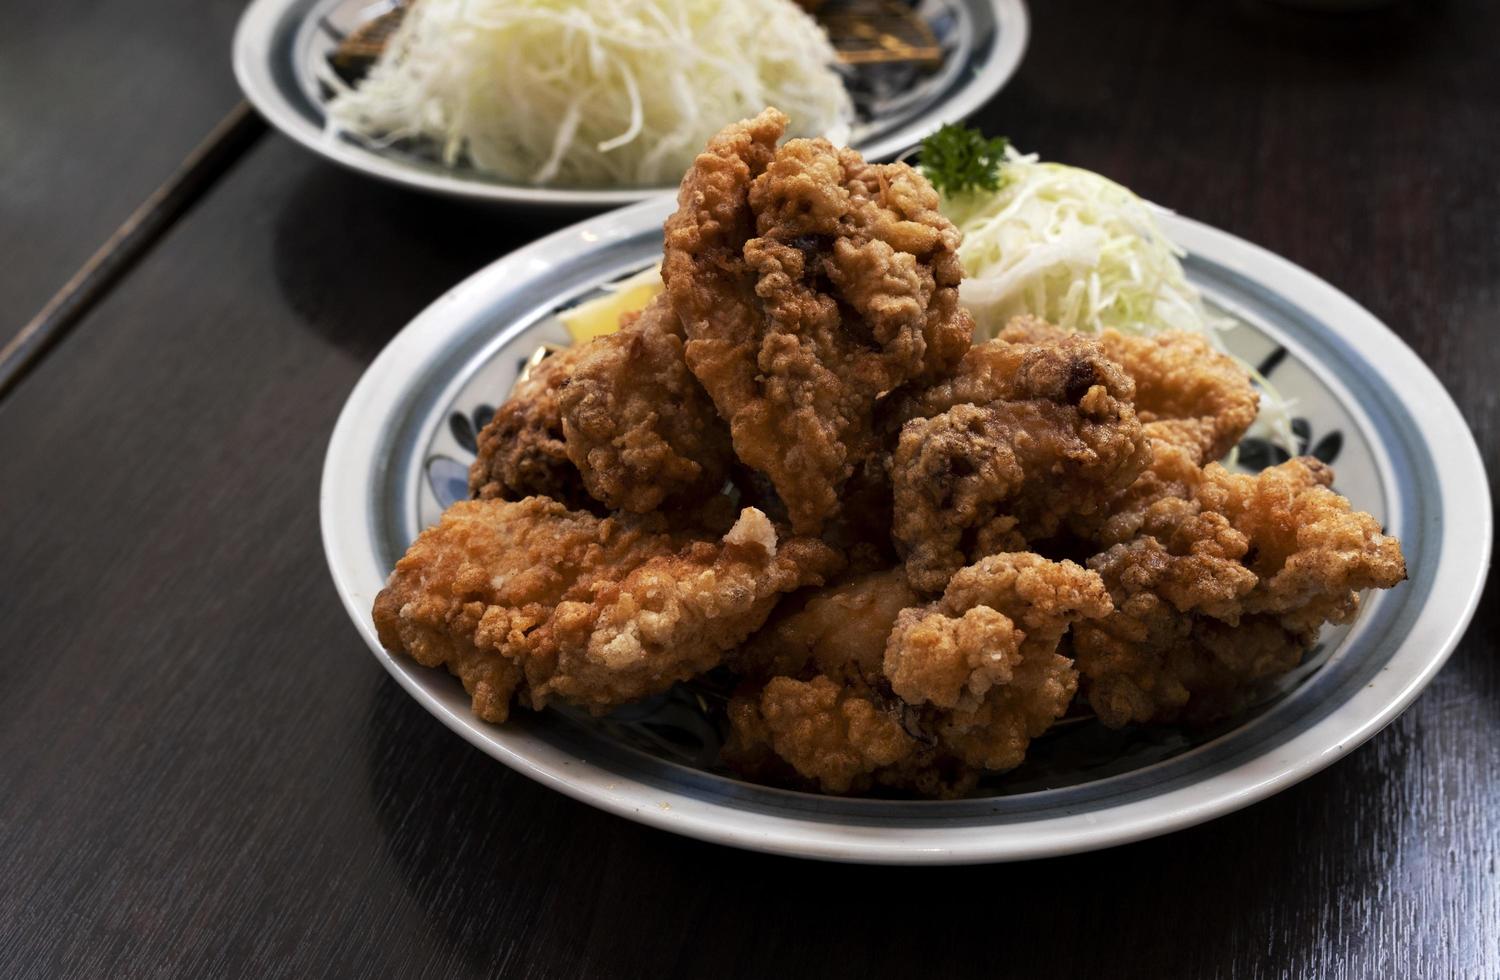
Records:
x=521, y=450
x=961, y=686
x=809, y=283
x=983, y=660
x=829, y=734
x=1186, y=392
x=809, y=350
x=637, y=425
x=534, y=601
x=1224, y=585
x=1020, y=438
x=839, y=630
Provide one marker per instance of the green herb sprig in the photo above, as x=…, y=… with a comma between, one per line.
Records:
x=957, y=158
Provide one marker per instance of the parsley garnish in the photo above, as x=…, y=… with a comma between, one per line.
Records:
x=957, y=158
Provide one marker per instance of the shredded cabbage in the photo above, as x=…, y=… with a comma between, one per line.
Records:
x=600, y=93
x=1083, y=253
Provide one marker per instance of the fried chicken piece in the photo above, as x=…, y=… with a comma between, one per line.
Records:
x=619, y=420
x=638, y=426
x=1186, y=392
x=830, y=735
x=813, y=666
x=1172, y=471
x=1223, y=586
x=530, y=601
x=963, y=683
x=839, y=630
x=1022, y=437
x=983, y=660
x=809, y=283
x=862, y=527
x=522, y=450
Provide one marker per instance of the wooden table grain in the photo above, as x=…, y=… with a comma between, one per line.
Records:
x=99, y=102
x=204, y=773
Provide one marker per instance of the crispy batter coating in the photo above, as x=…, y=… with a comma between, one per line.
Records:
x=1022, y=437
x=983, y=660
x=521, y=449
x=1171, y=472
x=1186, y=392
x=811, y=708
x=531, y=601
x=809, y=283
x=620, y=421
x=1221, y=582
x=839, y=630
x=638, y=426
x=833, y=736
x=963, y=684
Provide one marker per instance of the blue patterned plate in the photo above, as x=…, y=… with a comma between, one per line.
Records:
x=279, y=45
x=1364, y=402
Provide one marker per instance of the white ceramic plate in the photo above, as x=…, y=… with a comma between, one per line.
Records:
x=279, y=44
x=1363, y=400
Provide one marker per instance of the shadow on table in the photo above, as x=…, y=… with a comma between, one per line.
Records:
x=358, y=258
x=512, y=873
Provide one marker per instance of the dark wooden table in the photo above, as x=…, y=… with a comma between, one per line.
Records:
x=202, y=771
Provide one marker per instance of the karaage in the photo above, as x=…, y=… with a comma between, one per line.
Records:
x=637, y=424
x=903, y=557
x=1186, y=392
x=958, y=687
x=531, y=601
x=809, y=283
x=1223, y=585
x=522, y=450
x=1020, y=438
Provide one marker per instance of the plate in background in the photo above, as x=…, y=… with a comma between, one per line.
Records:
x=279, y=44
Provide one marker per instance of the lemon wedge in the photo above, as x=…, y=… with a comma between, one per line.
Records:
x=601, y=315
